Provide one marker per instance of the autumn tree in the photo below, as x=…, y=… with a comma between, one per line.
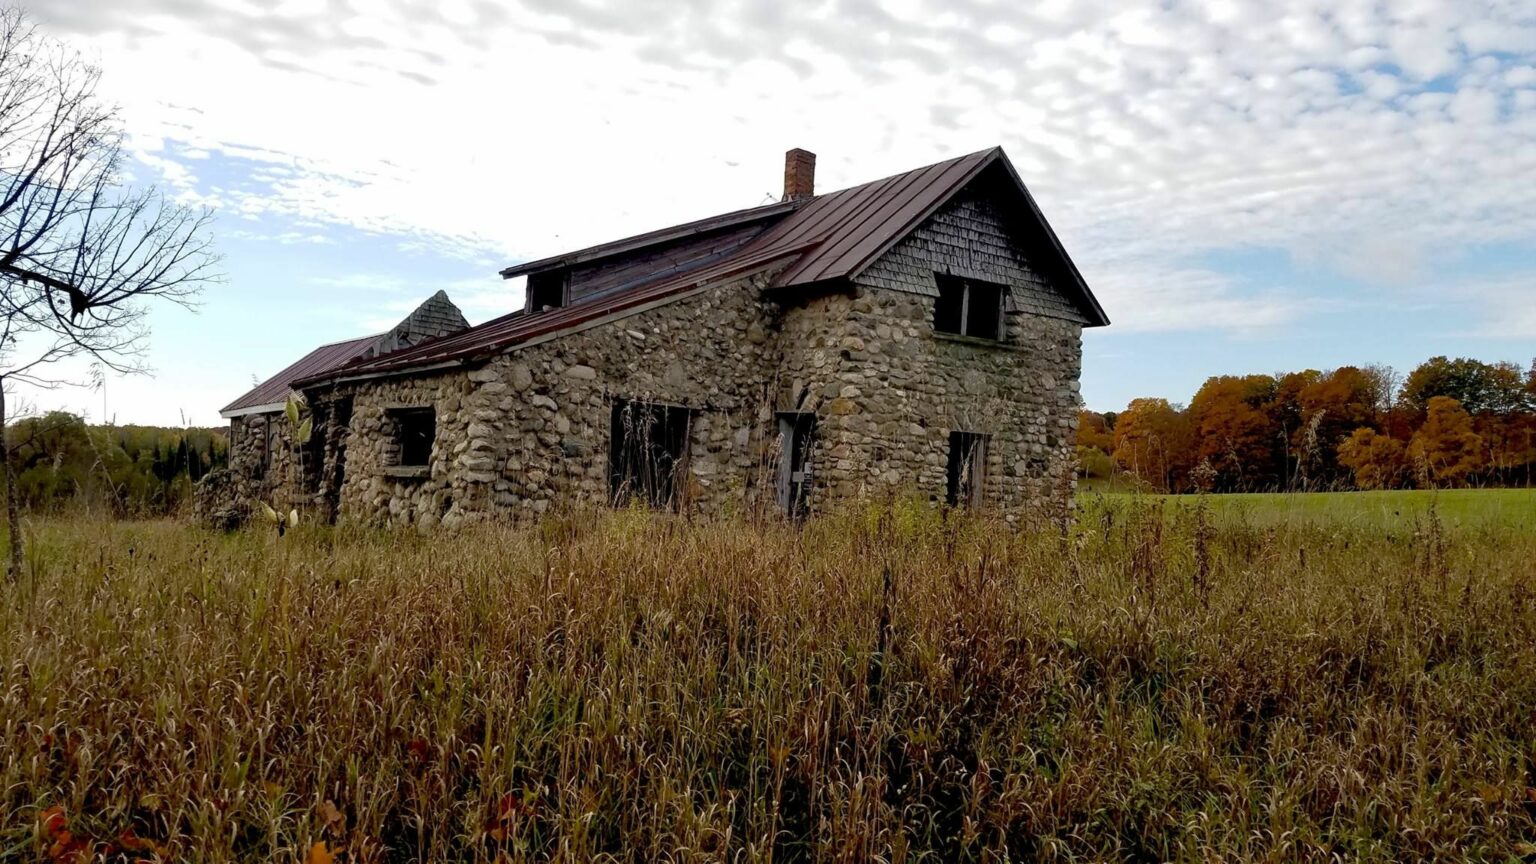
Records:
x=1376, y=461
x=1093, y=430
x=1153, y=441
x=1446, y=447
x=80, y=252
x=1332, y=406
x=1233, y=434
x=1285, y=412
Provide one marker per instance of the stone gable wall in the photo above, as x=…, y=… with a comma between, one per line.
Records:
x=888, y=391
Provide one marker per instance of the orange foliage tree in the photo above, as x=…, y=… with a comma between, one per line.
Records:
x=1445, y=447
x=1153, y=441
x=1332, y=405
x=1377, y=461
x=1233, y=433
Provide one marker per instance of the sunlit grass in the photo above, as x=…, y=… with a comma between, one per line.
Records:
x=874, y=686
x=1513, y=508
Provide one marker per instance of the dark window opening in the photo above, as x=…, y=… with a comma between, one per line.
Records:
x=312, y=454
x=415, y=430
x=646, y=448
x=967, y=469
x=796, y=431
x=264, y=458
x=969, y=307
x=546, y=290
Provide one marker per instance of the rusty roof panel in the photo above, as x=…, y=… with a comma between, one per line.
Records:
x=652, y=238
x=507, y=331
x=275, y=390
x=868, y=223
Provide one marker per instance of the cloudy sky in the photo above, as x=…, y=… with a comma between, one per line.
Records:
x=1247, y=186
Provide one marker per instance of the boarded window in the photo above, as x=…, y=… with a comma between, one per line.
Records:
x=967, y=469
x=646, y=448
x=415, y=429
x=795, y=435
x=547, y=290
x=969, y=307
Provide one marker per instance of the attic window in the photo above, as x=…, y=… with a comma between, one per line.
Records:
x=546, y=290
x=414, y=431
x=969, y=307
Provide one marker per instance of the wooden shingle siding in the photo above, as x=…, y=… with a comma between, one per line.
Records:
x=615, y=275
x=432, y=319
x=968, y=237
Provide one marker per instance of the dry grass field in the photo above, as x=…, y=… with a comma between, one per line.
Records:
x=1157, y=684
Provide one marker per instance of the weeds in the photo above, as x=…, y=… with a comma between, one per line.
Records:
x=888, y=686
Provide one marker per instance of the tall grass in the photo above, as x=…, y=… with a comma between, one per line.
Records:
x=873, y=686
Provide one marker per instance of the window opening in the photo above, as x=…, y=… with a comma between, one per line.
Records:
x=647, y=445
x=967, y=469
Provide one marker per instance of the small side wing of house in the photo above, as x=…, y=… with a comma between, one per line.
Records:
x=433, y=319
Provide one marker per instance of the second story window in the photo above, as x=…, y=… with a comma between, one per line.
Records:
x=969, y=307
x=546, y=290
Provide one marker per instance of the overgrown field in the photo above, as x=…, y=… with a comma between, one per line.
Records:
x=1381, y=510
x=1152, y=686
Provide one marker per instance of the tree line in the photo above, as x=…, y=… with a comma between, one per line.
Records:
x=61, y=462
x=1447, y=423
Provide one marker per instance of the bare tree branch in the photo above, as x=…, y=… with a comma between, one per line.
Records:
x=80, y=253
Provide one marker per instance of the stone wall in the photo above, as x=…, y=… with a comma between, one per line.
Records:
x=888, y=391
x=249, y=434
x=531, y=428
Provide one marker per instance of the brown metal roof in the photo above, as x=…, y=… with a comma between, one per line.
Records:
x=502, y=333
x=275, y=390
x=652, y=238
x=830, y=237
x=851, y=228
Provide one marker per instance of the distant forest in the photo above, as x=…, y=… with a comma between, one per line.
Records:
x=1449, y=423
x=130, y=470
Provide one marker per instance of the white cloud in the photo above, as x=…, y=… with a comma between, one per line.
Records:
x=1150, y=133
x=1505, y=306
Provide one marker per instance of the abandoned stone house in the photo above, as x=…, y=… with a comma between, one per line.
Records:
x=918, y=335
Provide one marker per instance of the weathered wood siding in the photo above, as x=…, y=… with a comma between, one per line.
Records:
x=970, y=237
x=616, y=275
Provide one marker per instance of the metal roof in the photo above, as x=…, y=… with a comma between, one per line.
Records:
x=274, y=391
x=832, y=236
x=652, y=238
x=502, y=333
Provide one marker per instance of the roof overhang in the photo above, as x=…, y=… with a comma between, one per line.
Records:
x=271, y=408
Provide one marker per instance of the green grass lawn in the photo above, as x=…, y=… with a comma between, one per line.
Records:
x=1464, y=507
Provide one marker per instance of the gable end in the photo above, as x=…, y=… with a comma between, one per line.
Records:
x=982, y=233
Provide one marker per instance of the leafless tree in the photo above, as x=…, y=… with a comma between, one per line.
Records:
x=81, y=252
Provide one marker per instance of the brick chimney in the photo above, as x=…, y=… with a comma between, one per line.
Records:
x=799, y=174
